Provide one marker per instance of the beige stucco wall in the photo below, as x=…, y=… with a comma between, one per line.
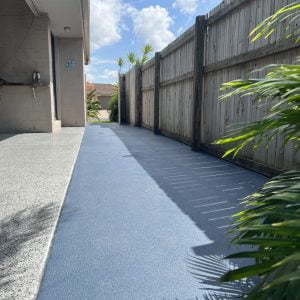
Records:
x=70, y=81
x=25, y=46
x=20, y=112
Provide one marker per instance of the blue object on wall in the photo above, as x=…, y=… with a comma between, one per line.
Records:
x=70, y=64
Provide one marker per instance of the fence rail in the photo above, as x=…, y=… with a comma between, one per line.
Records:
x=176, y=93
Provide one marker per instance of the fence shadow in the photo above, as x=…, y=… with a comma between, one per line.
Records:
x=207, y=189
x=15, y=231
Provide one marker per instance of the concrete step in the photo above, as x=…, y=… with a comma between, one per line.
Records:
x=56, y=126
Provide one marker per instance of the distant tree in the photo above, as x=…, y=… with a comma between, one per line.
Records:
x=132, y=58
x=146, y=50
x=92, y=105
x=120, y=62
x=113, y=105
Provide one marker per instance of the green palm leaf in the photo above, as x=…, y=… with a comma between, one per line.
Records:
x=271, y=219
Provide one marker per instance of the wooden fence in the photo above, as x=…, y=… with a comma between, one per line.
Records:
x=176, y=93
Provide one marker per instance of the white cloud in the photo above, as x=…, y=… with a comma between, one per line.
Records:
x=109, y=74
x=91, y=73
x=152, y=25
x=98, y=61
x=105, y=22
x=187, y=7
x=94, y=74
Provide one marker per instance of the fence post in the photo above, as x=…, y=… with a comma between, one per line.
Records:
x=122, y=100
x=156, y=92
x=138, y=95
x=200, y=29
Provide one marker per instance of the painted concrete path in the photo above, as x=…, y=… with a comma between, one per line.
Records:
x=144, y=218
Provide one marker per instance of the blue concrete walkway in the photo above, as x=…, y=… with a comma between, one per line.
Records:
x=145, y=218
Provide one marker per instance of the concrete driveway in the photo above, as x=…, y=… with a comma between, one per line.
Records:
x=145, y=218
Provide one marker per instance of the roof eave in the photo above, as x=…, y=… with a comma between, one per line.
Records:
x=85, y=9
x=85, y=21
x=33, y=7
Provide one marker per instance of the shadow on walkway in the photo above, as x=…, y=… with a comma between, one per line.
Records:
x=205, y=188
x=4, y=136
x=17, y=230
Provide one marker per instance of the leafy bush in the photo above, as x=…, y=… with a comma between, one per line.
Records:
x=92, y=105
x=113, y=107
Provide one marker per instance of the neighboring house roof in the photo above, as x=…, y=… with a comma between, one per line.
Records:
x=103, y=89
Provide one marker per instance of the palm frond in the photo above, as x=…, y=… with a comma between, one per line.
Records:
x=271, y=222
x=281, y=87
x=132, y=58
x=289, y=14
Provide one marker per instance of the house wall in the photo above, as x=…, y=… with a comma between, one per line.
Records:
x=25, y=46
x=20, y=112
x=104, y=101
x=70, y=81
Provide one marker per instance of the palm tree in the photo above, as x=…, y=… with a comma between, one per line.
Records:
x=120, y=63
x=132, y=58
x=135, y=60
x=145, y=51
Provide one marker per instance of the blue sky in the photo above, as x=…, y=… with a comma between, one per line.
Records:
x=120, y=26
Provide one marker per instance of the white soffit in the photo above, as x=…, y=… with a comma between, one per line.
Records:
x=62, y=13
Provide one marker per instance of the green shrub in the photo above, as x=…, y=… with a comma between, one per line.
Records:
x=92, y=105
x=113, y=107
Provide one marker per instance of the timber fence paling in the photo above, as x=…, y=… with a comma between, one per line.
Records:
x=176, y=87
x=176, y=92
x=147, y=95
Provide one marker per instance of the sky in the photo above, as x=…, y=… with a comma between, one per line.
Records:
x=121, y=26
